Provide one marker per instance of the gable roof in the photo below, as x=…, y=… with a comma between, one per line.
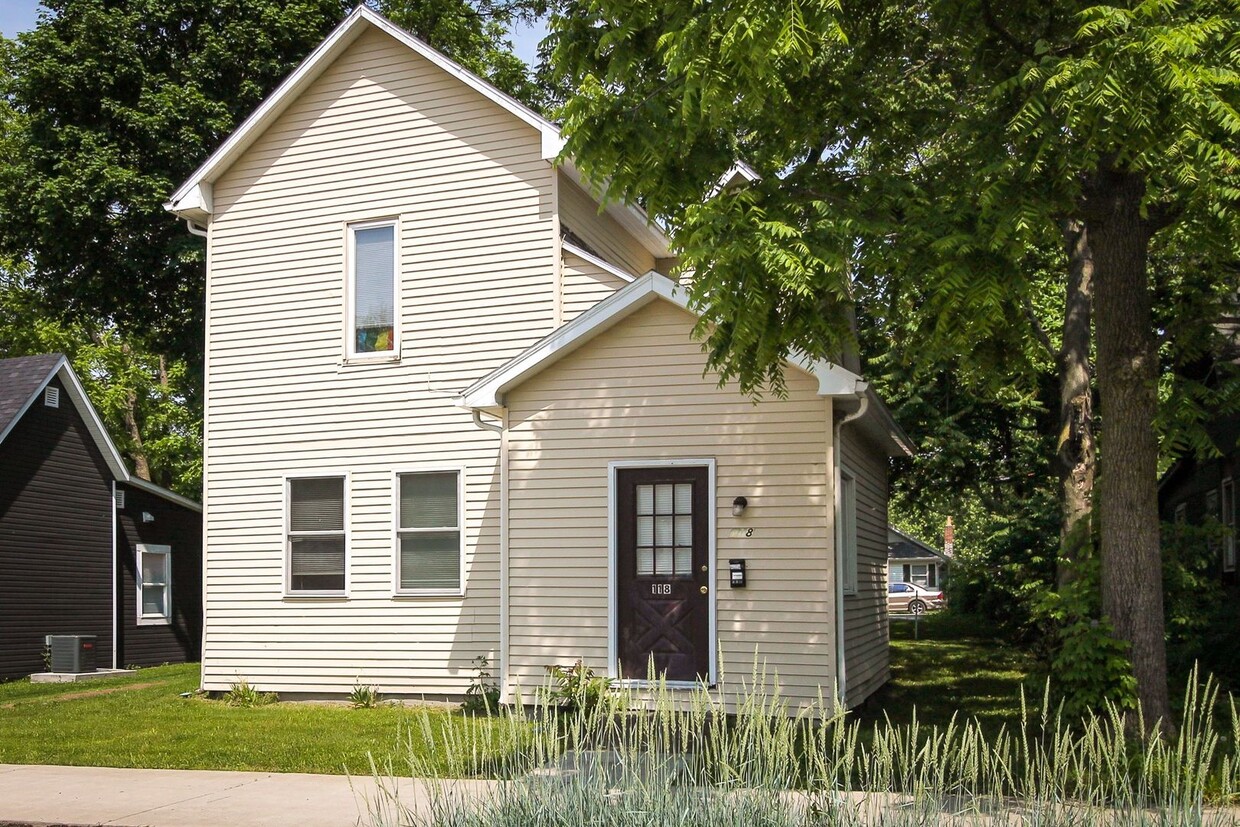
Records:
x=488, y=392
x=901, y=546
x=22, y=380
x=193, y=199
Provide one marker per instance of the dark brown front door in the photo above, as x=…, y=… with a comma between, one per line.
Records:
x=662, y=572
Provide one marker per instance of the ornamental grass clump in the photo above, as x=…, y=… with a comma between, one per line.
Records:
x=657, y=755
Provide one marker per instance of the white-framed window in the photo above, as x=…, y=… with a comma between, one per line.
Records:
x=920, y=574
x=1181, y=513
x=372, y=329
x=429, y=541
x=316, y=556
x=154, y=579
x=1228, y=496
x=848, y=528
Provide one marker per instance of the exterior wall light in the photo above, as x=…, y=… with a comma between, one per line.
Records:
x=148, y=517
x=739, y=505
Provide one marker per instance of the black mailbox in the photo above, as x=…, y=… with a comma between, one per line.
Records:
x=736, y=572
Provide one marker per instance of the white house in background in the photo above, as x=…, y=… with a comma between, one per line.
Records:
x=453, y=408
x=909, y=560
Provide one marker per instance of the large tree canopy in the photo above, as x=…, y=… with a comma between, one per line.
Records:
x=937, y=142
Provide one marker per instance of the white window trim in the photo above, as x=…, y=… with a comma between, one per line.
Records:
x=612, y=587
x=350, y=332
x=164, y=619
x=850, y=586
x=1228, y=520
x=460, y=471
x=287, y=490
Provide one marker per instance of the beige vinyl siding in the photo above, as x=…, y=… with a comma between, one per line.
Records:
x=603, y=234
x=637, y=392
x=381, y=133
x=867, y=661
x=585, y=285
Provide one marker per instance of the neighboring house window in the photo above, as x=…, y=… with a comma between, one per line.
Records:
x=1229, y=520
x=316, y=535
x=848, y=529
x=373, y=288
x=1212, y=516
x=154, y=585
x=428, y=530
x=921, y=574
x=1181, y=513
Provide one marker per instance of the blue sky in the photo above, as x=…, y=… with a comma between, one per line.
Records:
x=19, y=15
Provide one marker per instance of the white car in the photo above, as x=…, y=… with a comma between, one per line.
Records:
x=909, y=598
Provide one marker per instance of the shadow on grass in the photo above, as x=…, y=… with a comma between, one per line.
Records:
x=952, y=668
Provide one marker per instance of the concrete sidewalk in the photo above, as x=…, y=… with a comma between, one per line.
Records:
x=198, y=798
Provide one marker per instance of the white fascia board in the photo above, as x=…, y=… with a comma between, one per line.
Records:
x=94, y=424
x=740, y=171
x=488, y=392
x=833, y=380
x=605, y=266
x=185, y=204
x=632, y=218
x=77, y=395
x=159, y=491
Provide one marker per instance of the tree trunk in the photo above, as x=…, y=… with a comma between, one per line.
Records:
x=1075, y=444
x=1132, y=593
x=141, y=468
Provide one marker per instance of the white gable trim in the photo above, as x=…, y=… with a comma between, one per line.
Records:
x=605, y=266
x=81, y=402
x=98, y=433
x=489, y=391
x=193, y=198
x=632, y=218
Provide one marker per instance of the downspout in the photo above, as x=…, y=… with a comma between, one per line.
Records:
x=503, y=542
x=841, y=677
x=486, y=426
x=195, y=229
x=115, y=574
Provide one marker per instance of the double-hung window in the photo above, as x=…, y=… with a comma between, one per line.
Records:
x=373, y=286
x=154, y=585
x=316, y=536
x=428, y=533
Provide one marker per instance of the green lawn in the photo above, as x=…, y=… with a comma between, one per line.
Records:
x=953, y=666
x=141, y=721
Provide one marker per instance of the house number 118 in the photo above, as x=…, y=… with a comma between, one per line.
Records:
x=660, y=588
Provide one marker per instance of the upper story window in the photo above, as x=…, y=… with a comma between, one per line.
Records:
x=373, y=287
x=316, y=536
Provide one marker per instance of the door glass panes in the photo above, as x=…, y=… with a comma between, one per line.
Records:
x=664, y=530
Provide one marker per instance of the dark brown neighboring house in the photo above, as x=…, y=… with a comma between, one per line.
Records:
x=86, y=548
x=1195, y=490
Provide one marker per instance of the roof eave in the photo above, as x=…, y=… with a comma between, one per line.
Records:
x=185, y=203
